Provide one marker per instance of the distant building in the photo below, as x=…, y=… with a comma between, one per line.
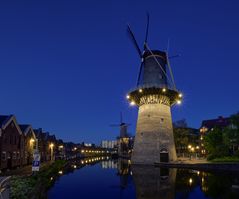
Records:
x=210, y=125
x=109, y=144
x=184, y=137
x=46, y=144
x=220, y=122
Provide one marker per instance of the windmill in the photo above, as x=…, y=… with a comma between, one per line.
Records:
x=146, y=50
x=154, y=94
x=123, y=127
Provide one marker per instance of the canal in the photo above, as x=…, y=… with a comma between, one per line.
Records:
x=116, y=179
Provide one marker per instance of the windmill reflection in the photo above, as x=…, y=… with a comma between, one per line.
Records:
x=151, y=182
x=124, y=171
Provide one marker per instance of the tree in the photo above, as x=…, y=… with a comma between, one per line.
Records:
x=180, y=124
x=217, y=143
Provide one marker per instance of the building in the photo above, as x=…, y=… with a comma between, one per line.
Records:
x=30, y=143
x=186, y=141
x=109, y=144
x=220, y=122
x=154, y=95
x=11, y=143
x=46, y=145
x=209, y=125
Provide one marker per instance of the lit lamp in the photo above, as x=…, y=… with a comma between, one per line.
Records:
x=32, y=142
x=51, y=147
x=190, y=181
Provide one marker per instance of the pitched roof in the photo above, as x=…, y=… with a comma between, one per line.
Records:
x=24, y=127
x=4, y=119
x=219, y=122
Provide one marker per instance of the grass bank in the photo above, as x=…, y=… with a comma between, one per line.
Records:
x=226, y=159
x=35, y=186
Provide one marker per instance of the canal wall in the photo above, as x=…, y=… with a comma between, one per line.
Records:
x=202, y=166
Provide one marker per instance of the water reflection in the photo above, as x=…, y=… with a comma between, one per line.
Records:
x=120, y=179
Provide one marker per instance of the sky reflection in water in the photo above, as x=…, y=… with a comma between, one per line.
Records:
x=118, y=179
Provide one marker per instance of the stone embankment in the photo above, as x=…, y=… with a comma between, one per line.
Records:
x=201, y=165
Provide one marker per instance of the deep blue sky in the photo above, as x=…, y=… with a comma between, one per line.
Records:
x=66, y=66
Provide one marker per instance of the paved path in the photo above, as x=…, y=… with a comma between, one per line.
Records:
x=23, y=171
x=4, y=187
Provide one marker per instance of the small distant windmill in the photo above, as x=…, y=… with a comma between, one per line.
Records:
x=123, y=127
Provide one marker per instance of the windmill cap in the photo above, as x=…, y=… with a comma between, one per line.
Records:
x=159, y=53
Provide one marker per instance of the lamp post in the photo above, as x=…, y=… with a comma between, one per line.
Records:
x=189, y=148
x=192, y=150
x=51, y=148
x=197, y=148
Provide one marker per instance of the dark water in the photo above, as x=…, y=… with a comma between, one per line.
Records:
x=119, y=179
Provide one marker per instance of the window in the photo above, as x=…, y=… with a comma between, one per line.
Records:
x=14, y=156
x=18, y=155
x=4, y=155
x=162, y=119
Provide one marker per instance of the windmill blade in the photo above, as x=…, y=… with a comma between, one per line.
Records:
x=147, y=31
x=125, y=124
x=140, y=70
x=170, y=71
x=131, y=34
x=121, y=118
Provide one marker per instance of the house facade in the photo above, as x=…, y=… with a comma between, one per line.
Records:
x=11, y=143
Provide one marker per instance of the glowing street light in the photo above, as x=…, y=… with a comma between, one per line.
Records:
x=164, y=90
x=190, y=181
x=132, y=103
x=32, y=141
x=140, y=90
x=179, y=101
x=127, y=96
x=180, y=95
x=51, y=148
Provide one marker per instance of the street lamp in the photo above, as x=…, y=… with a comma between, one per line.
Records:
x=190, y=150
x=51, y=148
